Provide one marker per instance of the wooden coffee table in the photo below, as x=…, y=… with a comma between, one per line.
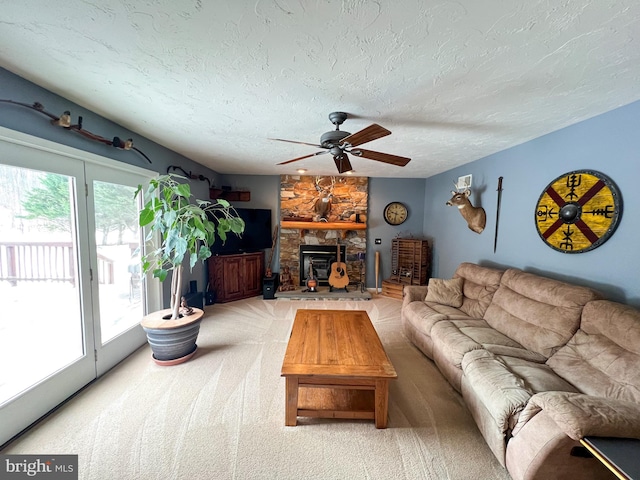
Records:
x=335, y=367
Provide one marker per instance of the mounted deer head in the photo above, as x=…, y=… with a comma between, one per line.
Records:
x=322, y=205
x=475, y=216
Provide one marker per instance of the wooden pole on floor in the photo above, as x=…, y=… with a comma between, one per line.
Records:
x=377, y=269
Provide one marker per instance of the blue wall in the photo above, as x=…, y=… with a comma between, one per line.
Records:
x=609, y=143
x=382, y=191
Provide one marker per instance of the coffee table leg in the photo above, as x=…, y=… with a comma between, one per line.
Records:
x=291, y=402
x=381, y=403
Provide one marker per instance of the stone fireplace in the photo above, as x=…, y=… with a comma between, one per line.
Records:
x=349, y=203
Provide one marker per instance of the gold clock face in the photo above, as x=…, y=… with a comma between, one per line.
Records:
x=395, y=213
x=578, y=211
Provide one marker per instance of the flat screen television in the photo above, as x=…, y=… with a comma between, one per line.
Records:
x=257, y=233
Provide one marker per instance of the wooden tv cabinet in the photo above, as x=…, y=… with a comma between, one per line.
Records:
x=234, y=277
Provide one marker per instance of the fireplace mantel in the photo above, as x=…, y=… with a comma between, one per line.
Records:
x=340, y=226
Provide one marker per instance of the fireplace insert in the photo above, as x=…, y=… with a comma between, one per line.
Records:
x=322, y=257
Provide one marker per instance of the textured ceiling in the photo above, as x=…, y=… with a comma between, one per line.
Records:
x=453, y=80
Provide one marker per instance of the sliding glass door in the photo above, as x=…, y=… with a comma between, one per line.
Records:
x=70, y=289
x=119, y=296
x=46, y=338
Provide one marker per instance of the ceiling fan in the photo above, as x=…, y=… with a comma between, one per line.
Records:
x=338, y=143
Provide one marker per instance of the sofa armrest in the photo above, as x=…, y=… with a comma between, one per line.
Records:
x=414, y=293
x=579, y=415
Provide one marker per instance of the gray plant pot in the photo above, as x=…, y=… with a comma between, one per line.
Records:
x=172, y=341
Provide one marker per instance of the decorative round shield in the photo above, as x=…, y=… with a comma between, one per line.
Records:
x=578, y=211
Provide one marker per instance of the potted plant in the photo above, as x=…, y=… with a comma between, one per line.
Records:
x=184, y=228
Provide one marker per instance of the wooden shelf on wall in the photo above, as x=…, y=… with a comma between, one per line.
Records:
x=339, y=226
x=230, y=195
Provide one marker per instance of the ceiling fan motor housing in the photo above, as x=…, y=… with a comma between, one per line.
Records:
x=332, y=138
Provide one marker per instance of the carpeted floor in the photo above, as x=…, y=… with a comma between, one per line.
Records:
x=221, y=415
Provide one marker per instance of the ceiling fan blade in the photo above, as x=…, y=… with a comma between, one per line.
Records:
x=293, y=141
x=343, y=163
x=372, y=132
x=303, y=157
x=381, y=157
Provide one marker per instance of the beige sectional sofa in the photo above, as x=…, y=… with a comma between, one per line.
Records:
x=540, y=363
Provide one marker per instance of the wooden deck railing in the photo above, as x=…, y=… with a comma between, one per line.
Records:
x=45, y=261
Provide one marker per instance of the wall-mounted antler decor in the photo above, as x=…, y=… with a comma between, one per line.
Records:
x=64, y=121
x=191, y=175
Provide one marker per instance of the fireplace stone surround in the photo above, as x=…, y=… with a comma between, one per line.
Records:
x=298, y=194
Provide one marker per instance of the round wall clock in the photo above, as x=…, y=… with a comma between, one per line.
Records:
x=395, y=213
x=578, y=211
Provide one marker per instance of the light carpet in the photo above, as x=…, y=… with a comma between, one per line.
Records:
x=221, y=415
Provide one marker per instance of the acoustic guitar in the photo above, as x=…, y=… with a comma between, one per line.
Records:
x=338, y=277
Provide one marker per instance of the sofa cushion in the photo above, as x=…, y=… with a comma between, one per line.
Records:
x=480, y=283
x=422, y=316
x=448, y=312
x=493, y=386
x=504, y=385
x=603, y=357
x=539, y=313
x=537, y=376
x=451, y=342
x=445, y=292
x=453, y=338
x=579, y=415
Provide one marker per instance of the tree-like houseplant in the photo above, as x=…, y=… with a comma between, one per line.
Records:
x=184, y=228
